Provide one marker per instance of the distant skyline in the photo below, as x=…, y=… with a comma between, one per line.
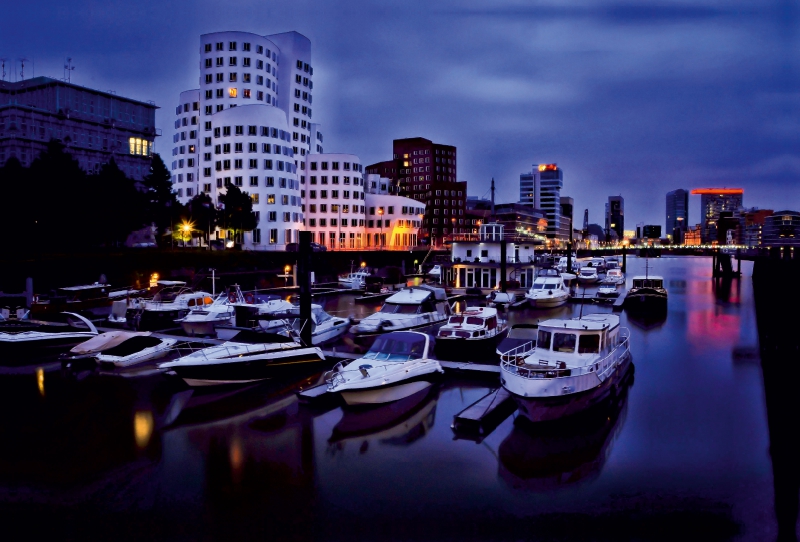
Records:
x=630, y=99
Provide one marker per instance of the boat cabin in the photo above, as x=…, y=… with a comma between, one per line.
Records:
x=558, y=341
x=648, y=282
x=588, y=272
x=477, y=322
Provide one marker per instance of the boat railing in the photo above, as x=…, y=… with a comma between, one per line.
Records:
x=239, y=349
x=519, y=353
x=515, y=364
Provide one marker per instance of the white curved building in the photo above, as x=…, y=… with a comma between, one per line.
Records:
x=393, y=222
x=185, y=149
x=334, y=200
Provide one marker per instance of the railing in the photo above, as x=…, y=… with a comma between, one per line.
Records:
x=510, y=362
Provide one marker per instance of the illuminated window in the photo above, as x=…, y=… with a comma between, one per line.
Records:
x=247, y=93
x=232, y=92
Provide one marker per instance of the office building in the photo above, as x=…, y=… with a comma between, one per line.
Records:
x=651, y=232
x=677, y=215
x=714, y=201
x=781, y=229
x=547, y=182
x=527, y=189
x=94, y=126
x=615, y=217
x=751, y=224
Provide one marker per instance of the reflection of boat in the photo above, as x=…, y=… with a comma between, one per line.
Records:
x=473, y=332
x=539, y=457
x=548, y=289
x=397, y=365
x=409, y=308
x=28, y=338
x=248, y=357
x=647, y=320
x=574, y=365
x=413, y=415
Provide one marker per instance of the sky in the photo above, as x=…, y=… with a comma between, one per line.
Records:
x=628, y=98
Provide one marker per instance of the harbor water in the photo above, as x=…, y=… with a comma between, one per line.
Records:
x=683, y=451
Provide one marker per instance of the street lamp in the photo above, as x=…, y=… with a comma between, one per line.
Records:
x=286, y=275
x=186, y=229
x=380, y=214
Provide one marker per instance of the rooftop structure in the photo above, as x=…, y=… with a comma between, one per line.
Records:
x=714, y=201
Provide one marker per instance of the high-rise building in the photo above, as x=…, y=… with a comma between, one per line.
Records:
x=677, y=218
x=714, y=201
x=615, y=216
x=527, y=188
x=426, y=172
x=547, y=180
x=95, y=126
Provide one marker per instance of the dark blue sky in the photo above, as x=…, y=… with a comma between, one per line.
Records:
x=628, y=98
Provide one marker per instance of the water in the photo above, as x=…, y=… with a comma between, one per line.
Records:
x=684, y=453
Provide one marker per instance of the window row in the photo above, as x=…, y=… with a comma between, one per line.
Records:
x=185, y=121
x=232, y=46
x=335, y=208
x=266, y=148
x=233, y=77
x=234, y=93
x=185, y=108
x=234, y=61
x=238, y=163
x=323, y=194
x=335, y=180
x=334, y=166
x=345, y=222
x=239, y=130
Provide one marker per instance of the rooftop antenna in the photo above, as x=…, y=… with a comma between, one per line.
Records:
x=3, y=67
x=68, y=67
x=22, y=68
x=492, y=198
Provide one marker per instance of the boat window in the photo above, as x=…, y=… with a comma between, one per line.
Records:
x=491, y=323
x=589, y=344
x=397, y=347
x=544, y=340
x=474, y=321
x=390, y=308
x=408, y=309
x=587, y=272
x=564, y=342
x=637, y=283
x=208, y=300
x=456, y=320
x=191, y=303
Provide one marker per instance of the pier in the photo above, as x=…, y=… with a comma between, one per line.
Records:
x=480, y=418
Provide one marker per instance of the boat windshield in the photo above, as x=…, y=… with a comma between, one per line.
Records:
x=456, y=320
x=588, y=272
x=397, y=308
x=648, y=283
x=397, y=347
x=589, y=344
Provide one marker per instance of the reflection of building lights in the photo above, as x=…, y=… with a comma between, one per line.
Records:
x=236, y=457
x=142, y=427
x=40, y=380
x=154, y=280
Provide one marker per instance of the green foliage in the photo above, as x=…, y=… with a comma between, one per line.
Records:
x=161, y=206
x=200, y=212
x=237, y=211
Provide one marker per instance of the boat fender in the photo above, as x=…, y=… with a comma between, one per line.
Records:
x=363, y=369
x=249, y=298
x=232, y=297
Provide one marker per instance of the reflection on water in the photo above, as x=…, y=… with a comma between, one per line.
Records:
x=143, y=428
x=40, y=380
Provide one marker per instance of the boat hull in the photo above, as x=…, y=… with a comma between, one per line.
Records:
x=646, y=303
x=149, y=320
x=547, y=302
x=388, y=394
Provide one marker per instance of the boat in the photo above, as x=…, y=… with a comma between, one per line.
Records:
x=409, y=308
x=548, y=289
x=518, y=335
x=471, y=333
x=324, y=327
x=98, y=343
x=436, y=273
x=599, y=264
x=497, y=298
x=398, y=365
x=355, y=280
x=166, y=306
x=562, y=265
x=588, y=275
x=647, y=294
x=85, y=299
x=267, y=313
x=247, y=357
x=607, y=290
x=613, y=276
x=203, y=319
x=574, y=365
x=24, y=338
x=136, y=349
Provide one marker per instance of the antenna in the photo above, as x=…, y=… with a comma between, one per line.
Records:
x=68, y=67
x=22, y=68
x=3, y=67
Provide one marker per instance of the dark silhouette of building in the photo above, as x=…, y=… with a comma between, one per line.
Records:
x=615, y=216
x=714, y=201
x=677, y=216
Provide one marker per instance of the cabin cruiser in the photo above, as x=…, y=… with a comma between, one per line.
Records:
x=607, y=290
x=248, y=357
x=86, y=298
x=99, y=343
x=599, y=264
x=166, y=306
x=266, y=313
x=574, y=365
x=588, y=275
x=518, y=335
x=562, y=265
x=436, y=272
x=136, y=349
x=497, y=298
x=398, y=365
x=647, y=294
x=613, y=276
x=203, y=319
x=354, y=281
x=548, y=289
x=24, y=338
x=470, y=333
x=411, y=307
x=324, y=327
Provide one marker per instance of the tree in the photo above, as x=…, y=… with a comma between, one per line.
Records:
x=200, y=211
x=237, y=211
x=18, y=197
x=119, y=208
x=162, y=207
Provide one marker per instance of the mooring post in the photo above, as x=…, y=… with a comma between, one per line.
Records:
x=304, y=272
x=503, y=265
x=569, y=257
x=624, y=259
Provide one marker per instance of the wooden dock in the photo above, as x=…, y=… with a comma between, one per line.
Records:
x=480, y=418
x=620, y=301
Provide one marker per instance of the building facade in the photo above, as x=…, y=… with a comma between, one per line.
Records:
x=677, y=214
x=782, y=229
x=714, y=201
x=546, y=181
x=95, y=126
x=615, y=216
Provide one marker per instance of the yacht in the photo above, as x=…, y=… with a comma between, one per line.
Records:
x=548, y=289
x=88, y=299
x=607, y=290
x=588, y=275
x=398, y=365
x=248, y=357
x=497, y=298
x=574, y=365
x=647, y=294
x=562, y=265
x=266, y=313
x=23, y=338
x=599, y=264
x=98, y=343
x=355, y=280
x=410, y=308
x=166, y=306
x=470, y=333
x=324, y=327
x=137, y=349
x=613, y=276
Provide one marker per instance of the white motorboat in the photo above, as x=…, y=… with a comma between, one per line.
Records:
x=136, y=349
x=435, y=272
x=203, y=319
x=470, y=333
x=98, y=343
x=607, y=290
x=599, y=264
x=398, y=365
x=248, y=357
x=20, y=339
x=588, y=275
x=166, y=306
x=267, y=313
x=548, y=290
x=324, y=327
x=497, y=298
x=410, y=308
x=355, y=280
x=573, y=366
x=613, y=276
x=562, y=265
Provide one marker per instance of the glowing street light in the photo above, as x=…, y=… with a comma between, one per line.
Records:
x=380, y=214
x=286, y=275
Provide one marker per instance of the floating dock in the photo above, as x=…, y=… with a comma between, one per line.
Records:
x=471, y=367
x=480, y=418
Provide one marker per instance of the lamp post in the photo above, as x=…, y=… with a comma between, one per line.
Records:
x=286, y=270
x=380, y=214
